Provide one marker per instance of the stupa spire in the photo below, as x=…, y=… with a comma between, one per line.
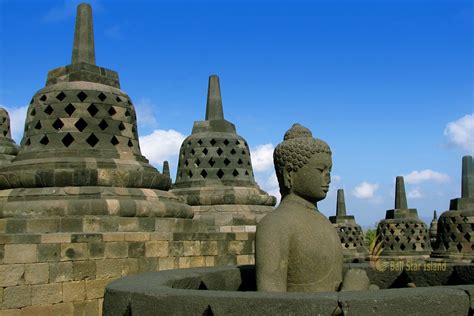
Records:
x=214, y=110
x=400, y=195
x=435, y=215
x=83, y=49
x=467, y=180
x=341, y=203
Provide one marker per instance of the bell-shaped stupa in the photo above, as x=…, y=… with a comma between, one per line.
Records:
x=8, y=147
x=455, y=239
x=350, y=233
x=433, y=229
x=215, y=171
x=80, y=153
x=402, y=233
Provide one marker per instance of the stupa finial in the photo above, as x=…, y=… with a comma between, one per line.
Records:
x=214, y=109
x=435, y=215
x=467, y=180
x=341, y=203
x=166, y=169
x=400, y=195
x=83, y=49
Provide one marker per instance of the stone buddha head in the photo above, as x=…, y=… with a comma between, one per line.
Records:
x=303, y=165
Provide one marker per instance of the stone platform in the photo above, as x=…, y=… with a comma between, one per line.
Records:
x=61, y=265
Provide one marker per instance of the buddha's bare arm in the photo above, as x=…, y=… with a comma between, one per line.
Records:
x=272, y=249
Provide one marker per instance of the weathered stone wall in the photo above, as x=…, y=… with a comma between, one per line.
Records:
x=60, y=266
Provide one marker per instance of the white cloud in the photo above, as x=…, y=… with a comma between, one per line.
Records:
x=335, y=178
x=161, y=145
x=17, y=121
x=461, y=132
x=262, y=157
x=425, y=175
x=414, y=194
x=365, y=190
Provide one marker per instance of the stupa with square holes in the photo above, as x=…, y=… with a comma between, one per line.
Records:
x=215, y=173
x=8, y=147
x=350, y=233
x=402, y=234
x=80, y=153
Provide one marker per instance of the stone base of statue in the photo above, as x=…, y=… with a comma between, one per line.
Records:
x=92, y=200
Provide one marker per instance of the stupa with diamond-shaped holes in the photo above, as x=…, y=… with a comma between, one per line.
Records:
x=80, y=153
x=215, y=173
x=350, y=233
x=8, y=147
x=455, y=238
x=402, y=233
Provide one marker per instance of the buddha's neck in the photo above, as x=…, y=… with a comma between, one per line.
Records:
x=299, y=200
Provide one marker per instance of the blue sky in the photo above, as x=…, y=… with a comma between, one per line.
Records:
x=388, y=84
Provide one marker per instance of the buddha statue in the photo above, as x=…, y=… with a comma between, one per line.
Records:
x=297, y=247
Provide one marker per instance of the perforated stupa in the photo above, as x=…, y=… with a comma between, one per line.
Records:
x=350, y=233
x=80, y=153
x=215, y=173
x=402, y=233
x=455, y=238
x=8, y=147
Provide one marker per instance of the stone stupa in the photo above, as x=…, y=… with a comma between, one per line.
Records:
x=215, y=170
x=455, y=239
x=80, y=153
x=8, y=147
x=433, y=229
x=350, y=233
x=402, y=233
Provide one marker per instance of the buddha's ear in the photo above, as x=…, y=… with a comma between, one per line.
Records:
x=287, y=181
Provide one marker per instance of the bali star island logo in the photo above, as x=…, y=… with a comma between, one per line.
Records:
x=382, y=265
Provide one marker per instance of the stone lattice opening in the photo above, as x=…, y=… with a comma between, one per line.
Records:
x=61, y=96
x=92, y=140
x=102, y=97
x=67, y=140
x=44, y=140
x=58, y=124
x=82, y=96
x=80, y=125
x=48, y=110
x=69, y=109
x=103, y=125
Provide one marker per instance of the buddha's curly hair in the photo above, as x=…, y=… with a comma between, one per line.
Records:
x=295, y=151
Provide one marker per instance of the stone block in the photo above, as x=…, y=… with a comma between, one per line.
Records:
x=129, y=224
x=176, y=248
x=91, y=225
x=3, y=225
x=75, y=238
x=23, y=253
x=42, y=225
x=60, y=271
x=243, y=259
x=37, y=273
x=25, y=238
x=146, y=224
x=2, y=253
x=199, y=261
x=191, y=248
x=209, y=261
x=48, y=252
x=37, y=310
x=74, y=251
x=16, y=297
x=184, y=262
x=71, y=224
x=158, y=248
x=10, y=312
x=161, y=236
x=116, y=249
x=130, y=266
x=147, y=264
x=95, y=288
x=74, y=291
x=46, y=293
x=96, y=250
x=15, y=226
x=209, y=248
x=11, y=274
x=113, y=236
x=55, y=238
x=63, y=309
x=241, y=236
x=166, y=263
x=137, y=236
x=86, y=308
x=136, y=249
x=109, y=268
x=84, y=270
